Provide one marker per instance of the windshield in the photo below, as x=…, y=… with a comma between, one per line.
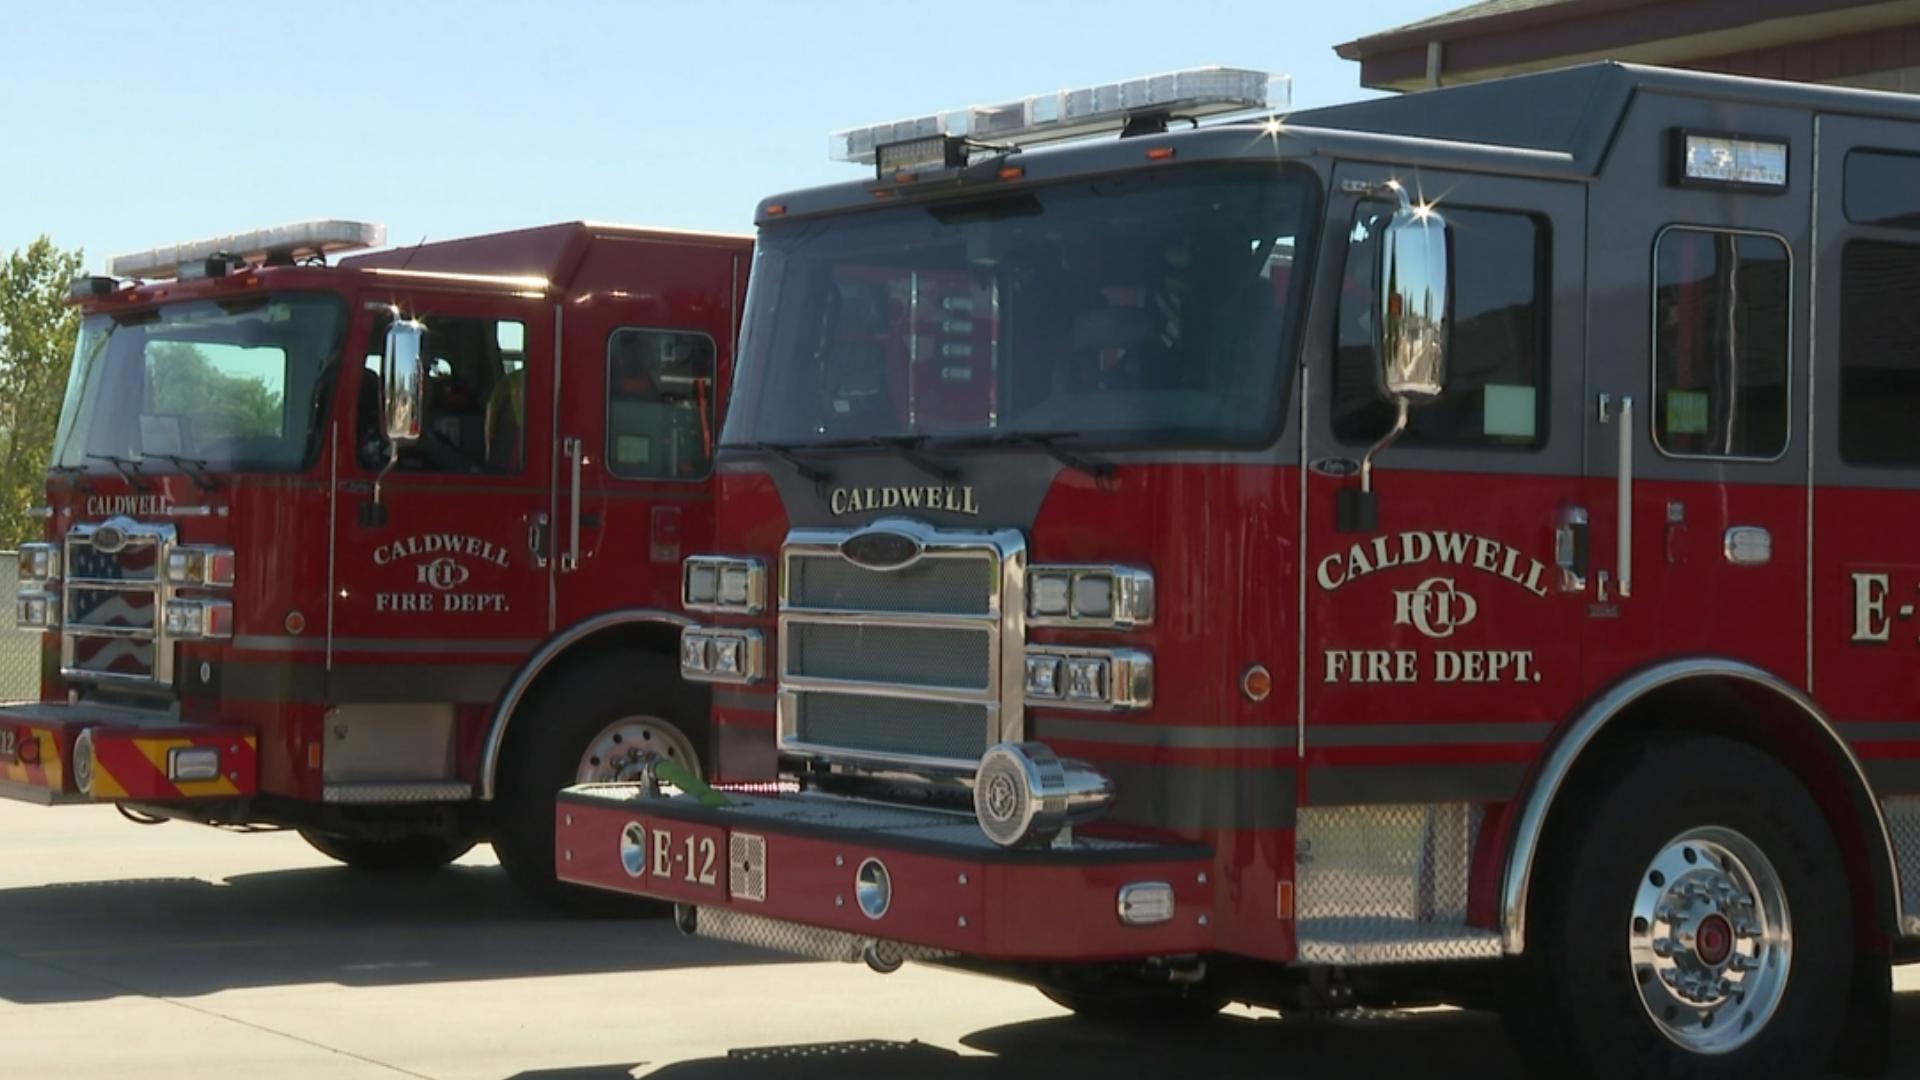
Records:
x=226, y=385
x=1146, y=307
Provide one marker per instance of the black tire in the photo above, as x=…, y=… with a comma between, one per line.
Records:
x=1578, y=1010
x=1122, y=1000
x=545, y=747
x=394, y=855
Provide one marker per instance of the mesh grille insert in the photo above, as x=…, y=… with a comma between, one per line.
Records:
x=895, y=726
x=921, y=655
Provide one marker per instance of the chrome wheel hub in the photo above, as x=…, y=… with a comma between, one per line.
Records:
x=624, y=747
x=1710, y=940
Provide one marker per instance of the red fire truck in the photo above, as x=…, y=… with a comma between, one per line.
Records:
x=385, y=551
x=1451, y=547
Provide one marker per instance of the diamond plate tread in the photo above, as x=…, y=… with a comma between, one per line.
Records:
x=1354, y=942
x=398, y=791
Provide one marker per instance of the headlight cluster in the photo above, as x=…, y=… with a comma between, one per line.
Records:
x=713, y=655
x=195, y=619
x=39, y=564
x=36, y=611
x=1118, y=597
x=203, y=567
x=718, y=583
x=1077, y=678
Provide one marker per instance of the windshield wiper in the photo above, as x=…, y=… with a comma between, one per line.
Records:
x=1046, y=441
x=908, y=446
x=194, y=467
x=785, y=452
x=128, y=468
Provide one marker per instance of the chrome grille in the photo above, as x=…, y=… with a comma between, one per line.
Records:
x=112, y=603
x=916, y=665
x=948, y=586
x=941, y=729
x=959, y=659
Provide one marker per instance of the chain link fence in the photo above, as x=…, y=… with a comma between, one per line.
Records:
x=19, y=652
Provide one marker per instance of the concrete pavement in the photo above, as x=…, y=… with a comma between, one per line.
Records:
x=176, y=951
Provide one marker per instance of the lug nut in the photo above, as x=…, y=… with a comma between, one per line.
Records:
x=1663, y=947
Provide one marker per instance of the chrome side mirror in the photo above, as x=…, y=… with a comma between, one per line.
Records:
x=403, y=378
x=1415, y=267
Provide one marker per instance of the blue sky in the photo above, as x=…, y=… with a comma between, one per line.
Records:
x=127, y=127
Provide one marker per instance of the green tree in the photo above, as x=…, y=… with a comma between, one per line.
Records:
x=37, y=331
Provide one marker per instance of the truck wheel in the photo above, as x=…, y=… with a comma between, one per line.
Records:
x=1123, y=1000
x=399, y=855
x=602, y=717
x=1694, y=921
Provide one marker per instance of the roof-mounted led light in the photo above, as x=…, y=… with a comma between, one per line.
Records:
x=1135, y=104
x=280, y=243
x=90, y=285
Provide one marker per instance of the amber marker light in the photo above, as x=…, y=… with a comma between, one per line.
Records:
x=1160, y=153
x=1257, y=683
x=776, y=209
x=1012, y=172
x=296, y=623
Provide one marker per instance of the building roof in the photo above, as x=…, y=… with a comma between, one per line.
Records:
x=1504, y=37
x=1484, y=9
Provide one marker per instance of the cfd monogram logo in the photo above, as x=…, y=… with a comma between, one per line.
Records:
x=443, y=573
x=1436, y=608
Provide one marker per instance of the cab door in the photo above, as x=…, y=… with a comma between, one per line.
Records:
x=1443, y=641
x=1698, y=487
x=441, y=582
x=1866, y=490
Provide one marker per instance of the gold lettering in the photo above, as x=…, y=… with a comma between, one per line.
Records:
x=1870, y=620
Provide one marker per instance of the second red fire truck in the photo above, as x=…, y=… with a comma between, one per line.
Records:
x=386, y=551
x=1453, y=547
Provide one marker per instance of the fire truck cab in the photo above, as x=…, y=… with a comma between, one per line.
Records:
x=367, y=549
x=1449, y=547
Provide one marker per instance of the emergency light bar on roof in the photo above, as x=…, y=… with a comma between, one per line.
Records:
x=281, y=242
x=1063, y=114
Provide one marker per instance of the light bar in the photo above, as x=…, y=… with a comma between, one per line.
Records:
x=300, y=238
x=1732, y=161
x=1069, y=114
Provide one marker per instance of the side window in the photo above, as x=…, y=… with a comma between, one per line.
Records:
x=1497, y=354
x=1879, y=353
x=659, y=404
x=1883, y=189
x=476, y=398
x=1720, y=347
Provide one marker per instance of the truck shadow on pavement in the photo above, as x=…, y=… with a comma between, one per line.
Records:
x=1433, y=1045
x=183, y=937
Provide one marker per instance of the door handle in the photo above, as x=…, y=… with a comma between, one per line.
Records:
x=1623, y=583
x=1572, y=549
x=539, y=535
x=571, y=560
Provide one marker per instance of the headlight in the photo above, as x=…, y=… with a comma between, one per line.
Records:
x=208, y=567
x=716, y=655
x=36, y=611
x=39, y=563
x=188, y=620
x=1077, y=678
x=1116, y=597
x=718, y=583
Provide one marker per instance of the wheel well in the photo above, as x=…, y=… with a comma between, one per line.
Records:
x=587, y=644
x=1777, y=721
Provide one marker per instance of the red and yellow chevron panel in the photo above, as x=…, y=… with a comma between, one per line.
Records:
x=38, y=758
x=131, y=764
